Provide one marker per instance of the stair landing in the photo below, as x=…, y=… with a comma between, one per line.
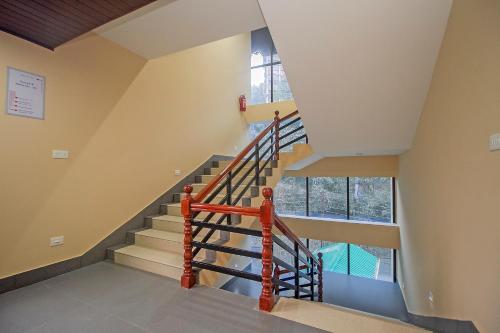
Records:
x=337, y=319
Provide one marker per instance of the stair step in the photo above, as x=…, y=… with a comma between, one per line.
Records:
x=252, y=191
x=170, y=242
x=160, y=262
x=205, y=179
x=174, y=209
x=223, y=164
x=218, y=198
x=267, y=171
x=176, y=224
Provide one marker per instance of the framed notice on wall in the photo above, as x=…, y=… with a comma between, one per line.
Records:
x=25, y=94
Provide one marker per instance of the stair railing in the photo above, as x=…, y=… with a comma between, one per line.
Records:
x=262, y=150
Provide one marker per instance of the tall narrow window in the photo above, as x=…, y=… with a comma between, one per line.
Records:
x=268, y=79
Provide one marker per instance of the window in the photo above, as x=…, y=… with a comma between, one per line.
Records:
x=356, y=198
x=358, y=260
x=268, y=79
x=350, y=198
x=254, y=129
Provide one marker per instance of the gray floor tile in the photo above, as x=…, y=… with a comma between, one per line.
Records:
x=109, y=298
x=31, y=306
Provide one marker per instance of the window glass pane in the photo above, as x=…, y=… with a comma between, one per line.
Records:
x=276, y=57
x=328, y=197
x=255, y=129
x=262, y=43
x=261, y=85
x=290, y=196
x=334, y=255
x=293, y=136
x=281, y=89
x=256, y=59
x=370, y=198
x=371, y=262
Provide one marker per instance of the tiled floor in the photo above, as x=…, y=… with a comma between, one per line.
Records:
x=105, y=297
x=372, y=296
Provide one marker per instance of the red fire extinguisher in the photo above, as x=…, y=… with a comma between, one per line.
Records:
x=243, y=103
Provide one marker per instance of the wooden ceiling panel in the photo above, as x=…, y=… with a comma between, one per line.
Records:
x=50, y=23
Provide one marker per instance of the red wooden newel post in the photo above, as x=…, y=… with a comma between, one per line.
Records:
x=277, y=135
x=266, y=300
x=188, y=279
x=320, y=277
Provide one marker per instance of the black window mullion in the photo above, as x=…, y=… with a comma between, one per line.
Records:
x=348, y=215
x=394, y=261
x=268, y=64
x=272, y=74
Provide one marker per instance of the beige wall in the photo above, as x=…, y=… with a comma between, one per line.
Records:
x=358, y=166
x=449, y=186
x=263, y=112
x=345, y=231
x=128, y=124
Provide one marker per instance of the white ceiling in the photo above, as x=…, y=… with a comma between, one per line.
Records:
x=169, y=26
x=359, y=70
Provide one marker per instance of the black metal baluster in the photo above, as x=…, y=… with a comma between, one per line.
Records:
x=296, y=264
x=229, y=191
x=257, y=171
x=272, y=141
x=311, y=274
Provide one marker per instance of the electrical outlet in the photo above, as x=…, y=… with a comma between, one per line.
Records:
x=177, y=172
x=60, y=154
x=56, y=241
x=495, y=142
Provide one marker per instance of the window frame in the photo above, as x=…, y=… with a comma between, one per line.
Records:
x=271, y=65
x=348, y=217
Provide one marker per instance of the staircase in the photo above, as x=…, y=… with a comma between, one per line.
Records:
x=159, y=247
x=202, y=235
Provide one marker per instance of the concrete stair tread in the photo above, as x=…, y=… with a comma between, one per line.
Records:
x=165, y=235
x=160, y=257
x=170, y=218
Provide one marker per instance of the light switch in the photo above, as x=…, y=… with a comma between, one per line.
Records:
x=60, y=153
x=177, y=172
x=495, y=142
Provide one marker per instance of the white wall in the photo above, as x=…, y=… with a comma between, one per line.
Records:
x=359, y=70
x=172, y=26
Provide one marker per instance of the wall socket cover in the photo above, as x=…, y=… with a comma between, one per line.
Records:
x=57, y=240
x=495, y=142
x=60, y=153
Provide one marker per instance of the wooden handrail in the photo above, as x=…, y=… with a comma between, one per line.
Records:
x=213, y=183
x=225, y=209
x=267, y=218
x=290, y=115
x=291, y=236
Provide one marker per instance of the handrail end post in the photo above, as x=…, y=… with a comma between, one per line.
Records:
x=266, y=299
x=188, y=278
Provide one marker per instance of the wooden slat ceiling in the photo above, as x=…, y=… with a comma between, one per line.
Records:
x=50, y=23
